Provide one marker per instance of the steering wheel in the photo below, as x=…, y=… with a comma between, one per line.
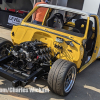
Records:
x=70, y=19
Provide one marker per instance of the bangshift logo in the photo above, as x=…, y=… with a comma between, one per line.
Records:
x=14, y=20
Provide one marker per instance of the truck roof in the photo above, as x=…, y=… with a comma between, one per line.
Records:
x=65, y=9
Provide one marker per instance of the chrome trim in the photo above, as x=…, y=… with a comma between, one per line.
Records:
x=70, y=79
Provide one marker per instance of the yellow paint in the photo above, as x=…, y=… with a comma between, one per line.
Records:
x=48, y=35
x=96, y=48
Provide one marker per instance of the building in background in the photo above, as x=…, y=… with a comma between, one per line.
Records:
x=13, y=11
x=92, y=6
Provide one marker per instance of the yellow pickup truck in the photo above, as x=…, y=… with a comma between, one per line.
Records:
x=62, y=46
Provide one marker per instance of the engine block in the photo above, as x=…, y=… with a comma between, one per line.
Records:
x=31, y=55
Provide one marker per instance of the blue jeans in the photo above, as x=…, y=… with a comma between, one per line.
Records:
x=36, y=22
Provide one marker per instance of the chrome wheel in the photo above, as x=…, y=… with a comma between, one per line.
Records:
x=3, y=50
x=70, y=79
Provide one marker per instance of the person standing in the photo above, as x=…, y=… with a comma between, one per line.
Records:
x=39, y=14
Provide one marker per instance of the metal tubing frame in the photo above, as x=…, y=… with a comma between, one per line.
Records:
x=17, y=81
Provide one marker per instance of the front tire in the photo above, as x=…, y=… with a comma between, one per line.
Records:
x=61, y=77
x=4, y=45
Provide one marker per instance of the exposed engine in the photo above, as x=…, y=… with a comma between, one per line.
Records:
x=29, y=56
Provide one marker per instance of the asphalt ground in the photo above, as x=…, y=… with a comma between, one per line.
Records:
x=87, y=85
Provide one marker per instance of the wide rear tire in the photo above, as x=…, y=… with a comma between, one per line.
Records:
x=61, y=77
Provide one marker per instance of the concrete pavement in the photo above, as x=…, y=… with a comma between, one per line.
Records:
x=87, y=85
x=5, y=33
